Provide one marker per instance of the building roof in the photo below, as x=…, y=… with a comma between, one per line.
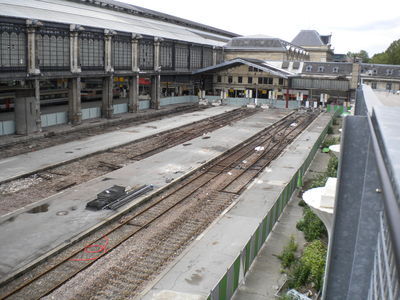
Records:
x=263, y=65
x=161, y=16
x=327, y=68
x=391, y=71
x=114, y=15
x=311, y=38
x=294, y=67
x=260, y=43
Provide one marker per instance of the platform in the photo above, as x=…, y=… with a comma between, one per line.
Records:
x=219, y=258
x=32, y=162
x=28, y=234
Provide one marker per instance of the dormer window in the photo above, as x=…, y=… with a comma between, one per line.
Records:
x=374, y=71
x=320, y=69
x=389, y=72
x=335, y=70
x=308, y=68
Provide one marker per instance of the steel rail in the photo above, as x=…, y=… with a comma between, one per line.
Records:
x=234, y=151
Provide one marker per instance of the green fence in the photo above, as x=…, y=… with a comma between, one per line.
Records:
x=230, y=281
x=337, y=108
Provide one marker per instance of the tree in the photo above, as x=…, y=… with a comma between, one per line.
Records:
x=391, y=55
x=361, y=55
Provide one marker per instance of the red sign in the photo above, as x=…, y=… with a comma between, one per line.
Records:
x=144, y=81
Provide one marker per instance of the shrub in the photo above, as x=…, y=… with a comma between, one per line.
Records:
x=310, y=267
x=335, y=121
x=314, y=256
x=332, y=167
x=311, y=225
x=330, y=130
x=318, y=181
x=329, y=141
x=302, y=203
x=298, y=277
x=287, y=256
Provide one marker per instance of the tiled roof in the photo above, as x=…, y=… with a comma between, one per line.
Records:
x=380, y=70
x=327, y=68
x=308, y=38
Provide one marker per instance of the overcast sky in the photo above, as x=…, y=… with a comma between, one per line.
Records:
x=354, y=24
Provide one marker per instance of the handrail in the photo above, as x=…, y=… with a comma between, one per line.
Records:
x=391, y=207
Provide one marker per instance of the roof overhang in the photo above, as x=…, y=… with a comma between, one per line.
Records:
x=262, y=65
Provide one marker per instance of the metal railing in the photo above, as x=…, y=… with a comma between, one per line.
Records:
x=384, y=278
x=385, y=273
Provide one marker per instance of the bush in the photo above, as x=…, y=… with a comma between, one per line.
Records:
x=332, y=167
x=298, y=277
x=329, y=141
x=302, y=203
x=335, y=121
x=313, y=259
x=318, y=181
x=311, y=225
x=310, y=268
x=330, y=130
x=287, y=256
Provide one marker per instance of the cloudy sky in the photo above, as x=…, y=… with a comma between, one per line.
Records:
x=354, y=24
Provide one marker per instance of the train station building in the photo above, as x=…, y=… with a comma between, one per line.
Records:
x=90, y=59
x=228, y=125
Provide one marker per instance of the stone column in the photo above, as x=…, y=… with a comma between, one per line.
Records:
x=108, y=34
x=155, y=91
x=157, y=42
x=107, y=108
x=36, y=87
x=133, y=100
x=135, y=51
x=74, y=101
x=74, y=48
x=214, y=61
x=33, y=67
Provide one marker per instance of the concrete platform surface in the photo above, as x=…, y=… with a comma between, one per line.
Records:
x=28, y=234
x=198, y=270
x=265, y=277
x=28, y=163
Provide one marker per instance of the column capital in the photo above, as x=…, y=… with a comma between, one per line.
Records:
x=158, y=40
x=108, y=33
x=32, y=24
x=76, y=28
x=136, y=37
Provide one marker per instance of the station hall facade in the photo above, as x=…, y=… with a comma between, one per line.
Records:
x=73, y=60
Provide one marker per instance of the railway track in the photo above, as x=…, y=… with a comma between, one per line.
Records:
x=52, y=138
x=200, y=197
x=55, y=179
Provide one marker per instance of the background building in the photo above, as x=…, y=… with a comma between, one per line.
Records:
x=319, y=46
